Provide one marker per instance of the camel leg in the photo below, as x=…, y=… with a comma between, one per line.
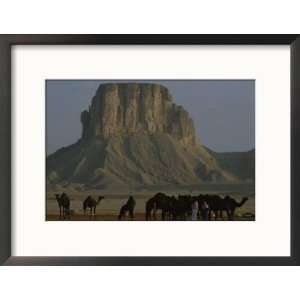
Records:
x=221, y=215
x=232, y=215
x=228, y=214
x=131, y=214
x=154, y=214
x=203, y=218
x=150, y=215
x=216, y=215
x=174, y=216
x=206, y=214
x=120, y=215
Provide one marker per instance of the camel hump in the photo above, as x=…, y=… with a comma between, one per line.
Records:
x=158, y=195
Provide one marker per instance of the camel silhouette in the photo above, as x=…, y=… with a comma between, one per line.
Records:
x=162, y=202
x=231, y=205
x=218, y=205
x=172, y=208
x=63, y=202
x=128, y=207
x=183, y=207
x=180, y=208
x=91, y=203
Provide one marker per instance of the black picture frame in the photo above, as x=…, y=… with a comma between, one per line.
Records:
x=7, y=41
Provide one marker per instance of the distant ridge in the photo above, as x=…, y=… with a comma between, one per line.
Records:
x=240, y=164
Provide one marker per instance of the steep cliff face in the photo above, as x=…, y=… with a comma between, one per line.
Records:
x=135, y=135
x=126, y=109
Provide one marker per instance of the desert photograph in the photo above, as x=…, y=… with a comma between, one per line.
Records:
x=150, y=150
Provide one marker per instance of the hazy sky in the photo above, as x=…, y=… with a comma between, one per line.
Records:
x=223, y=110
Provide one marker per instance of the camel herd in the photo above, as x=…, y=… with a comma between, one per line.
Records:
x=207, y=206
x=204, y=207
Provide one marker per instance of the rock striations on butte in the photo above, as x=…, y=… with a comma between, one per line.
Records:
x=134, y=135
x=129, y=109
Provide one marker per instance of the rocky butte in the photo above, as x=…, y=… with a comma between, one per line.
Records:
x=128, y=109
x=134, y=135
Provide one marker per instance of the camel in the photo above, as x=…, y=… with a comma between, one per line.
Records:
x=183, y=207
x=63, y=202
x=162, y=202
x=91, y=203
x=180, y=208
x=218, y=204
x=128, y=207
x=231, y=204
x=171, y=208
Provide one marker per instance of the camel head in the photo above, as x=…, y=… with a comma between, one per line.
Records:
x=99, y=199
x=242, y=202
x=245, y=199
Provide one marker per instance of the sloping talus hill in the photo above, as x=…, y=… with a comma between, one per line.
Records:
x=240, y=164
x=134, y=135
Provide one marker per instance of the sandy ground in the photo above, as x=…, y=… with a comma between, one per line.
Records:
x=109, y=207
x=114, y=217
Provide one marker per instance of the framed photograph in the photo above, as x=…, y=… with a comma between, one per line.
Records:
x=149, y=149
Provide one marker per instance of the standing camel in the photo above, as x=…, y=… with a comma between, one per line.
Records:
x=63, y=202
x=91, y=203
x=183, y=207
x=162, y=202
x=218, y=204
x=231, y=204
x=128, y=207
